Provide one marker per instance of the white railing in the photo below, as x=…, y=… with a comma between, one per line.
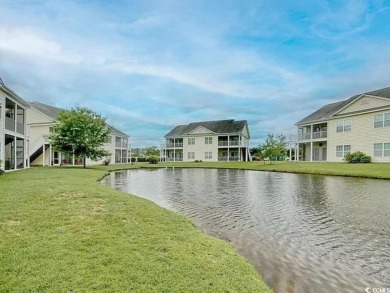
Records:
x=174, y=160
x=174, y=145
x=320, y=134
x=303, y=136
x=233, y=143
x=9, y=124
x=20, y=128
x=231, y=159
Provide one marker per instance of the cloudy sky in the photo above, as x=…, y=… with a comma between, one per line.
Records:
x=151, y=65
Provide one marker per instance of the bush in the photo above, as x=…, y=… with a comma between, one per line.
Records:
x=2, y=171
x=357, y=157
x=106, y=162
x=153, y=160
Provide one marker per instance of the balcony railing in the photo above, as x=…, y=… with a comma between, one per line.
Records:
x=9, y=124
x=20, y=128
x=316, y=135
x=232, y=143
x=174, y=160
x=303, y=136
x=225, y=159
x=174, y=145
x=320, y=134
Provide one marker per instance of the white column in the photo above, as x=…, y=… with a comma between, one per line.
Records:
x=43, y=155
x=50, y=155
x=228, y=151
x=15, y=148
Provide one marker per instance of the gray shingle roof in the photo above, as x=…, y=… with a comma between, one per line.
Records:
x=48, y=110
x=218, y=126
x=52, y=112
x=327, y=111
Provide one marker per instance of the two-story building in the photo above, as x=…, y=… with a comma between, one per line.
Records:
x=41, y=117
x=360, y=123
x=222, y=140
x=13, y=139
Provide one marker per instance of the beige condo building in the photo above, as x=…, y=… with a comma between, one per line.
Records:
x=360, y=123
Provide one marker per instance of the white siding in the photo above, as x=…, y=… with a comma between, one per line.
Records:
x=362, y=136
x=365, y=103
x=2, y=135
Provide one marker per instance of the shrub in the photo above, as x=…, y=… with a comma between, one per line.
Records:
x=153, y=160
x=357, y=157
x=106, y=162
x=1, y=171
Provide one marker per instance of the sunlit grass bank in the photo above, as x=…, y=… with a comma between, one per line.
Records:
x=62, y=231
x=372, y=170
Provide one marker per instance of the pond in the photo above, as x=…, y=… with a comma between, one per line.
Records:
x=303, y=233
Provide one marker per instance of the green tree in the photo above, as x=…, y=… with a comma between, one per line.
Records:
x=274, y=147
x=81, y=132
x=152, y=151
x=256, y=151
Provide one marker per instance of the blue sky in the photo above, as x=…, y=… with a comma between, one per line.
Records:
x=151, y=65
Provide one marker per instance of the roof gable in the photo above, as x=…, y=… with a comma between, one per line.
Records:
x=364, y=102
x=200, y=130
x=217, y=127
x=329, y=111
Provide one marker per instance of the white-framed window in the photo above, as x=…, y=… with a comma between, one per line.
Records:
x=208, y=155
x=381, y=149
x=344, y=126
x=208, y=140
x=191, y=140
x=342, y=150
x=191, y=155
x=382, y=120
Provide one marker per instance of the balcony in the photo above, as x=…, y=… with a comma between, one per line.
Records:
x=20, y=128
x=9, y=124
x=320, y=134
x=174, y=160
x=232, y=143
x=174, y=145
x=316, y=135
x=230, y=159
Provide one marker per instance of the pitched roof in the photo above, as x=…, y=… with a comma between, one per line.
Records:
x=118, y=132
x=218, y=126
x=327, y=111
x=48, y=110
x=52, y=112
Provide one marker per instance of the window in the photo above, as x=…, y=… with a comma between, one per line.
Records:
x=191, y=155
x=382, y=120
x=381, y=149
x=191, y=140
x=208, y=140
x=208, y=155
x=342, y=150
x=344, y=125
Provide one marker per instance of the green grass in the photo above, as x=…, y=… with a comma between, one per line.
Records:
x=372, y=170
x=62, y=231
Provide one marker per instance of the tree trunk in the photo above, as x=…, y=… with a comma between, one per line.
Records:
x=85, y=161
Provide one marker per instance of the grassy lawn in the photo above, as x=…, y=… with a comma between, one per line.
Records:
x=372, y=170
x=62, y=231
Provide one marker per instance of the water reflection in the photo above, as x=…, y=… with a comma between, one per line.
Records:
x=303, y=233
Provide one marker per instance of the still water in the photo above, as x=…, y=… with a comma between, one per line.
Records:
x=303, y=233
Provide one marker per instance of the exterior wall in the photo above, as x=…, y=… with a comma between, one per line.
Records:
x=364, y=103
x=200, y=148
x=362, y=136
x=2, y=125
x=19, y=151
